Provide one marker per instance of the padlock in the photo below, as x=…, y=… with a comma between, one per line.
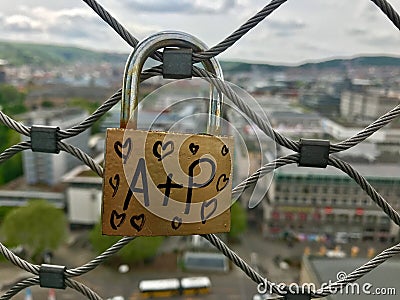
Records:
x=161, y=183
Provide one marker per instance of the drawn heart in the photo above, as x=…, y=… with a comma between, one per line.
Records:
x=176, y=222
x=224, y=150
x=116, y=216
x=137, y=222
x=160, y=151
x=211, y=206
x=222, y=182
x=115, y=185
x=194, y=148
x=119, y=149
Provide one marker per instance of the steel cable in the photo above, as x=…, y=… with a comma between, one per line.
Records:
x=89, y=121
x=239, y=262
x=224, y=88
x=12, y=124
x=99, y=259
x=239, y=33
x=229, y=41
x=359, y=272
x=105, y=107
x=264, y=170
x=78, y=153
x=83, y=289
x=117, y=26
x=19, y=262
x=15, y=149
x=367, y=131
x=389, y=11
x=363, y=183
x=19, y=287
x=385, y=7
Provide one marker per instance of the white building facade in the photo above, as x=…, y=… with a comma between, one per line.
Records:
x=45, y=168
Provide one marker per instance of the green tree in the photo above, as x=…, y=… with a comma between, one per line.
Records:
x=11, y=100
x=11, y=168
x=47, y=104
x=39, y=226
x=138, y=251
x=11, y=103
x=4, y=210
x=238, y=221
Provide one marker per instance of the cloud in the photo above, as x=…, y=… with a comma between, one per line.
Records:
x=285, y=27
x=21, y=23
x=286, y=24
x=182, y=6
x=43, y=20
x=367, y=11
x=375, y=37
x=331, y=27
x=380, y=39
x=357, y=31
x=77, y=26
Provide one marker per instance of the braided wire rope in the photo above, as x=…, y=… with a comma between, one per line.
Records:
x=78, y=153
x=117, y=26
x=367, y=131
x=99, y=259
x=105, y=107
x=367, y=187
x=264, y=170
x=19, y=262
x=10, y=152
x=83, y=289
x=18, y=287
x=229, y=41
x=385, y=7
x=12, y=124
x=257, y=119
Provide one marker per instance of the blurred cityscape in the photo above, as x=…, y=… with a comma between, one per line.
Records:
x=309, y=223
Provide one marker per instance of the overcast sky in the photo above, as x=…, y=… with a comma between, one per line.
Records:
x=300, y=30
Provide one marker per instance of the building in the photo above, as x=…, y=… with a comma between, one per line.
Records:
x=340, y=132
x=382, y=282
x=366, y=104
x=310, y=201
x=146, y=120
x=295, y=124
x=3, y=75
x=45, y=168
x=61, y=94
x=83, y=195
x=16, y=198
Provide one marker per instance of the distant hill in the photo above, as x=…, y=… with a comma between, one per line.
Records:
x=232, y=66
x=50, y=55
x=362, y=61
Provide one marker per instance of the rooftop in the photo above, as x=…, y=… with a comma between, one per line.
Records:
x=294, y=114
x=368, y=170
x=384, y=276
x=53, y=114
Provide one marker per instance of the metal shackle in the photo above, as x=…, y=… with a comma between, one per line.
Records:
x=134, y=66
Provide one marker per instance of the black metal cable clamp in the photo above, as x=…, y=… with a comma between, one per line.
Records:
x=52, y=276
x=177, y=63
x=45, y=138
x=314, y=153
